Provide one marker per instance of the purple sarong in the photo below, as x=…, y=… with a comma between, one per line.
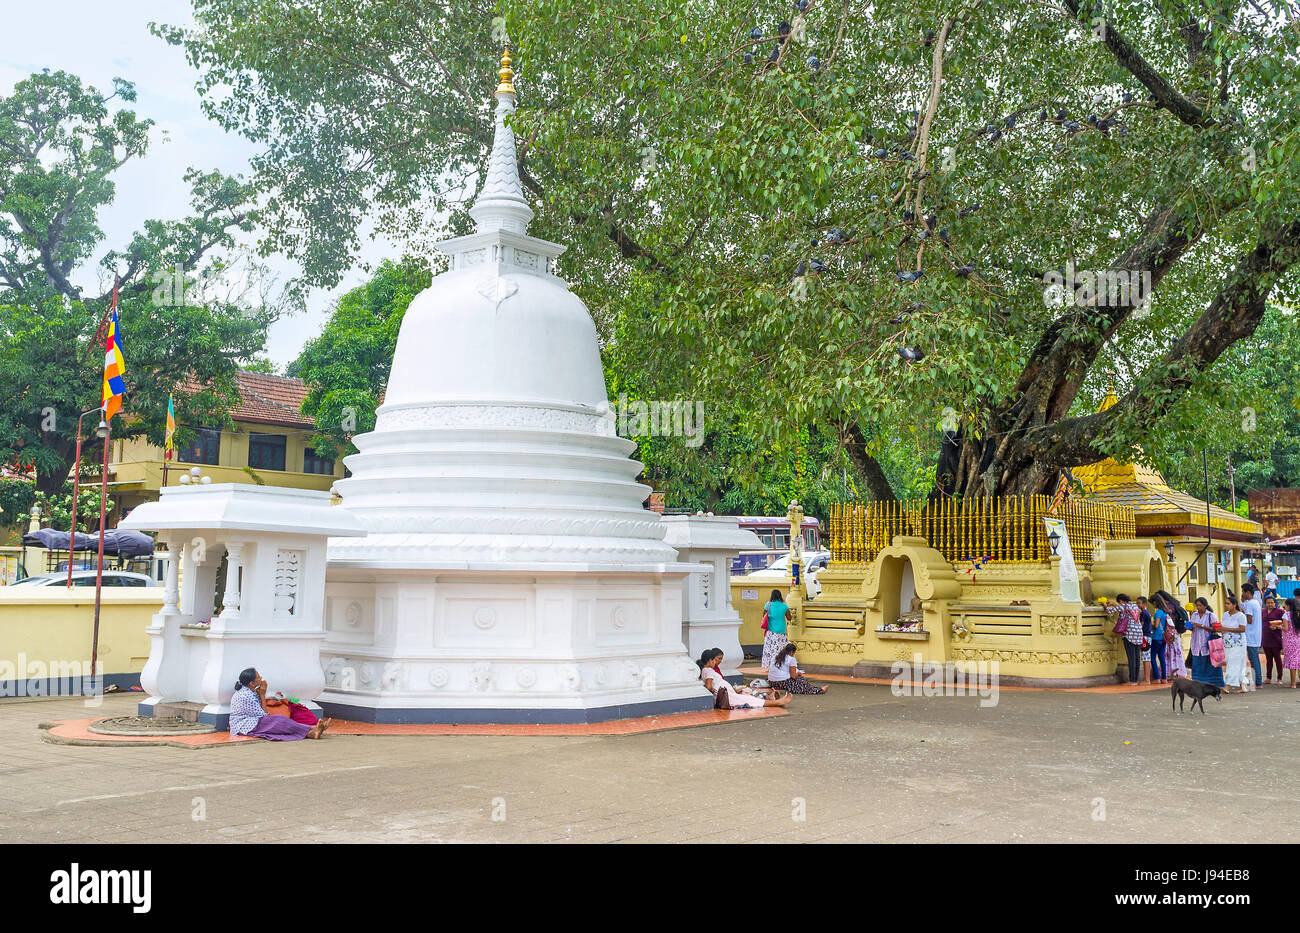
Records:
x=279, y=729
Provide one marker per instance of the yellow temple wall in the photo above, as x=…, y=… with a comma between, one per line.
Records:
x=968, y=617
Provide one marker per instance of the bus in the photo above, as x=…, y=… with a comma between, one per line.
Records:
x=774, y=532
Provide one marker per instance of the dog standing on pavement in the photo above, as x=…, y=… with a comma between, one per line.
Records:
x=1186, y=687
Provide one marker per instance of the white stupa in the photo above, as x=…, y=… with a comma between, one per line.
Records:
x=509, y=572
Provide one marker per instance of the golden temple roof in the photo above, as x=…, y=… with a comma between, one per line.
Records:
x=1155, y=504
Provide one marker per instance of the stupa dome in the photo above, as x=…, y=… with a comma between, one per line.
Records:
x=495, y=442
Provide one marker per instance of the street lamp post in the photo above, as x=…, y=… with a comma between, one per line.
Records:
x=76, y=487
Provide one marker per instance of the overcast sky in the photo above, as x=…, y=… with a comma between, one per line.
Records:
x=99, y=41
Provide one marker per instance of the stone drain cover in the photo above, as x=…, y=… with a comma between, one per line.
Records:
x=148, y=725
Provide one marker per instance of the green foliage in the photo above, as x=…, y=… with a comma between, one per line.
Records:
x=365, y=114
x=1249, y=419
x=754, y=172
x=16, y=498
x=695, y=190
x=261, y=364
x=56, y=510
x=59, y=147
x=347, y=366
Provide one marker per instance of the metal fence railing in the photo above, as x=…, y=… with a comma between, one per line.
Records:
x=1001, y=528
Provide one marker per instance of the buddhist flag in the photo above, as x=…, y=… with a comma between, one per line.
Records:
x=1062, y=493
x=168, y=444
x=114, y=365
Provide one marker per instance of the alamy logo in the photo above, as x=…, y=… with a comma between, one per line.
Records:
x=954, y=679
x=677, y=418
x=1109, y=288
x=80, y=885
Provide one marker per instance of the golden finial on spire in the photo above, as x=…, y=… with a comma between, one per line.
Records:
x=507, y=76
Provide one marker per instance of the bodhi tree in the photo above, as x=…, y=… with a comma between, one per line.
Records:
x=970, y=218
x=60, y=144
x=346, y=366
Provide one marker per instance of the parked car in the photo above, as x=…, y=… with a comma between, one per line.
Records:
x=779, y=573
x=87, y=578
x=779, y=569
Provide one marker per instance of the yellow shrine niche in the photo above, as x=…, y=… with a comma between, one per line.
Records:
x=960, y=581
x=969, y=581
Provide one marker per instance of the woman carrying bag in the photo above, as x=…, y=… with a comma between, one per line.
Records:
x=1204, y=630
x=774, y=618
x=1129, y=627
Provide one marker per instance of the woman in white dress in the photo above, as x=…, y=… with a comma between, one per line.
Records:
x=1234, y=644
x=710, y=672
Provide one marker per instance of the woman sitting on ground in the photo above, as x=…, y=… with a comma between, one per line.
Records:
x=711, y=674
x=785, y=676
x=248, y=715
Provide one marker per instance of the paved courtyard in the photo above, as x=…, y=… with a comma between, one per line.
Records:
x=858, y=764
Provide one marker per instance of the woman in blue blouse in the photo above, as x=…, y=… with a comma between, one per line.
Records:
x=775, y=639
x=248, y=715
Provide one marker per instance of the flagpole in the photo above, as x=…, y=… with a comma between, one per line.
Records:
x=107, y=428
x=99, y=567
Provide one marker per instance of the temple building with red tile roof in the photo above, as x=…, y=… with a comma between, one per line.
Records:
x=269, y=444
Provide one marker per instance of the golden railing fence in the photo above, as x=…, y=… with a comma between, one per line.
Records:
x=1002, y=528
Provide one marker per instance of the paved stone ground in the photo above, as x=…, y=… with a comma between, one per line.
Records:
x=869, y=766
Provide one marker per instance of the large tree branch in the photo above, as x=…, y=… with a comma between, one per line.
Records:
x=1129, y=57
x=1068, y=347
x=626, y=243
x=877, y=482
x=1233, y=314
x=932, y=107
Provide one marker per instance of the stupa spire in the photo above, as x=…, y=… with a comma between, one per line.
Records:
x=500, y=204
x=507, y=74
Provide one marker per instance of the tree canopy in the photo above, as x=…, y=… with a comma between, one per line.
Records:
x=60, y=143
x=346, y=367
x=844, y=219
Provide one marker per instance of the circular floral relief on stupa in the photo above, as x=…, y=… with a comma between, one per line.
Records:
x=439, y=677
x=485, y=617
x=352, y=615
x=618, y=617
x=526, y=677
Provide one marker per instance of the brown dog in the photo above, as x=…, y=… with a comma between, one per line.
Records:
x=1186, y=687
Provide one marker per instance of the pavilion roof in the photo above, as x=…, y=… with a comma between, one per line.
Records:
x=1156, y=505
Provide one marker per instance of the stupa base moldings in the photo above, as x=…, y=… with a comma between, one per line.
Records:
x=503, y=646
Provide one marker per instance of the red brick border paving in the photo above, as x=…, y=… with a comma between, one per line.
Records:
x=75, y=731
x=846, y=679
